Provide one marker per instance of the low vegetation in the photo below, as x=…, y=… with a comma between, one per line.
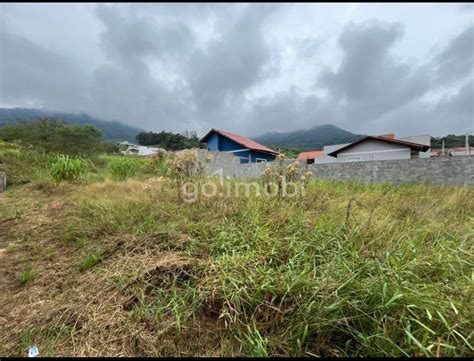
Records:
x=169, y=141
x=65, y=168
x=49, y=135
x=91, y=259
x=123, y=168
x=27, y=276
x=123, y=267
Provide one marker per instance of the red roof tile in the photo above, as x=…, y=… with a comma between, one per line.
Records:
x=246, y=142
x=390, y=135
x=311, y=154
x=458, y=149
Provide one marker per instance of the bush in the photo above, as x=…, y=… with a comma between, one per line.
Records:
x=123, y=168
x=65, y=168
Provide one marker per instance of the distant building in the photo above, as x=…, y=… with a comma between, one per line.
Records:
x=457, y=151
x=246, y=149
x=310, y=156
x=371, y=148
x=133, y=149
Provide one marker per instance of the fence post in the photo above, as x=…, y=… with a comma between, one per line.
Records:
x=3, y=181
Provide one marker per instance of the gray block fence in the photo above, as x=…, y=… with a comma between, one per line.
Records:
x=440, y=170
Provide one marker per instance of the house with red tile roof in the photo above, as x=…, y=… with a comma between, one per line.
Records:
x=309, y=157
x=377, y=147
x=246, y=149
x=455, y=151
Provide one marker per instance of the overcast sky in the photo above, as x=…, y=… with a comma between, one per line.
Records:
x=368, y=68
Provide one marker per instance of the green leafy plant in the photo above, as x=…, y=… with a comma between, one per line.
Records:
x=123, y=168
x=65, y=168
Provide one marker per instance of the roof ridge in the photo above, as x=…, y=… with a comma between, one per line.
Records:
x=397, y=140
x=240, y=139
x=416, y=146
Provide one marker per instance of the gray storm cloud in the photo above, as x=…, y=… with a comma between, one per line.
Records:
x=194, y=66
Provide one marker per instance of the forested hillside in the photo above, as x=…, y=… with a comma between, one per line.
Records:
x=309, y=139
x=112, y=131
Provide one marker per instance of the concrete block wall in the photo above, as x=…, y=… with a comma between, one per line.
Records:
x=439, y=170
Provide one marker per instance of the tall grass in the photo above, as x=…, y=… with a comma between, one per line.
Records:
x=391, y=275
x=121, y=168
x=66, y=168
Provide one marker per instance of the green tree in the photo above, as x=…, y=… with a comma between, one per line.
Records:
x=170, y=141
x=450, y=141
x=51, y=135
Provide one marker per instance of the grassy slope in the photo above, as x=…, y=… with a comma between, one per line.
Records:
x=123, y=268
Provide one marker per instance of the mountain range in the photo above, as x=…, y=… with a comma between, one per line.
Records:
x=111, y=130
x=309, y=139
x=314, y=138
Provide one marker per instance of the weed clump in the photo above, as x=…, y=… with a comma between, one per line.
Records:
x=123, y=168
x=91, y=259
x=183, y=165
x=279, y=175
x=66, y=168
x=27, y=276
x=159, y=163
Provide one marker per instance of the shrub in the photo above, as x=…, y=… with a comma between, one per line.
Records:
x=159, y=164
x=65, y=168
x=123, y=168
x=278, y=174
x=184, y=163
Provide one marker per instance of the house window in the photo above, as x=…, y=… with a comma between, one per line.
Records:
x=352, y=159
x=415, y=154
x=309, y=161
x=260, y=160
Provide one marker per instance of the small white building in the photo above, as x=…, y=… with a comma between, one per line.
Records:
x=133, y=149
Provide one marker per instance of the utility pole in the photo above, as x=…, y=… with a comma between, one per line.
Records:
x=442, y=151
x=468, y=150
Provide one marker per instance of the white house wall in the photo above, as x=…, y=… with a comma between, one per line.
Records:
x=424, y=139
x=328, y=149
x=325, y=159
x=331, y=148
x=374, y=150
x=420, y=139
